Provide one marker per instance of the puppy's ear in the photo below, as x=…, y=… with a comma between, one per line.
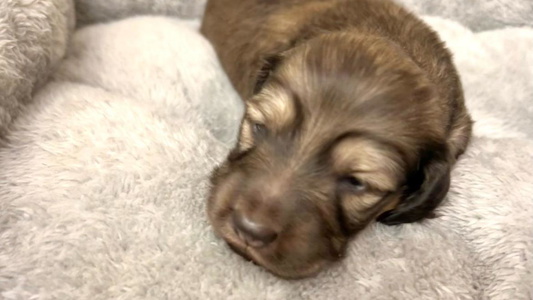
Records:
x=426, y=188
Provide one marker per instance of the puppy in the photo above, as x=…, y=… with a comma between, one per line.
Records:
x=354, y=111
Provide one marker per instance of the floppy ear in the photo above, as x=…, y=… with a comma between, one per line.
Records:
x=425, y=190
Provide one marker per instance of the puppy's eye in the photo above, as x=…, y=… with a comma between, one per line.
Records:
x=353, y=184
x=259, y=130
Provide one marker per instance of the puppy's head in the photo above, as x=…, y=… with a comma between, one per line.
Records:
x=342, y=128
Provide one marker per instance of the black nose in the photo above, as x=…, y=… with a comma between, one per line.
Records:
x=254, y=234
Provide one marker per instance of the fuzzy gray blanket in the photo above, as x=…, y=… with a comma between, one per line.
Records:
x=103, y=174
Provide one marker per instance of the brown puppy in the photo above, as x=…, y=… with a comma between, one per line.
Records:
x=354, y=111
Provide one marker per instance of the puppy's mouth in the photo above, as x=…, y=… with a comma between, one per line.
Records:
x=259, y=257
x=241, y=248
x=243, y=252
x=238, y=245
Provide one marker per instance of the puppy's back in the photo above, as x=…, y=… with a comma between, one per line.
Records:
x=246, y=32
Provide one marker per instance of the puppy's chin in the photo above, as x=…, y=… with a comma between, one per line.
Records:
x=282, y=270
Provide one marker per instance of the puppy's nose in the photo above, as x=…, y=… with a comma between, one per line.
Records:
x=254, y=234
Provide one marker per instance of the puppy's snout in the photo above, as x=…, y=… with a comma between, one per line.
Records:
x=253, y=233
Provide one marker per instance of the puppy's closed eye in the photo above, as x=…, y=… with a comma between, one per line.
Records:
x=251, y=134
x=259, y=130
x=373, y=173
x=352, y=184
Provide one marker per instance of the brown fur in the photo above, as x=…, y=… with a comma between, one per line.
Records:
x=353, y=108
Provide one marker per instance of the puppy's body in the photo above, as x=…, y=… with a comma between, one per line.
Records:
x=352, y=106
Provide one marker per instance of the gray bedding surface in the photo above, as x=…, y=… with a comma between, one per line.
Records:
x=103, y=174
x=477, y=15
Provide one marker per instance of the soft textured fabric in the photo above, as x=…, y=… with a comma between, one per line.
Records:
x=94, y=11
x=478, y=15
x=104, y=178
x=33, y=38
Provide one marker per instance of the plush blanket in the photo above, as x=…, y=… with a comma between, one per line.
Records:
x=478, y=15
x=33, y=39
x=103, y=175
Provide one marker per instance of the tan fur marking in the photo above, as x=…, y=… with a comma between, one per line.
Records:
x=392, y=205
x=272, y=107
x=246, y=140
x=369, y=162
x=356, y=206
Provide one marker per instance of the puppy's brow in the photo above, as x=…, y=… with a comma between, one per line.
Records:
x=353, y=134
x=277, y=106
x=254, y=113
x=330, y=145
x=366, y=135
